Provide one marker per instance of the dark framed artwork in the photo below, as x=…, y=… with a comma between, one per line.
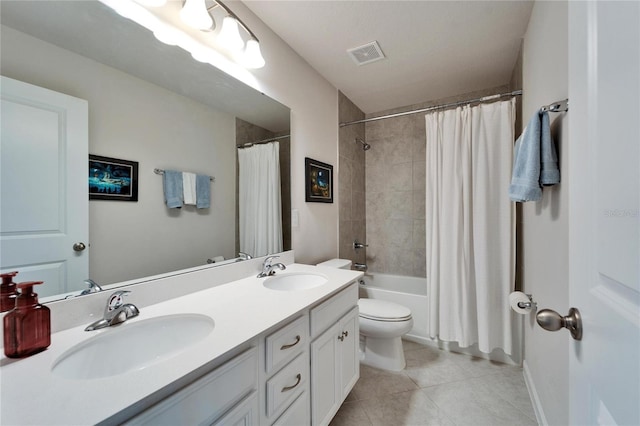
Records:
x=112, y=179
x=318, y=181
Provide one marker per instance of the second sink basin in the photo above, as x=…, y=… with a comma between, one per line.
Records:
x=132, y=346
x=295, y=281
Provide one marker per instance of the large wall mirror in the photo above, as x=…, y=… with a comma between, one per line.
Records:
x=153, y=104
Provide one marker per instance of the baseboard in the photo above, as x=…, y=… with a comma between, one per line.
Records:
x=533, y=394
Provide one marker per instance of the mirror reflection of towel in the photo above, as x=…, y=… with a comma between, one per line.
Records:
x=172, y=183
x=203, y=191
x=189, y=188
x=535, y=161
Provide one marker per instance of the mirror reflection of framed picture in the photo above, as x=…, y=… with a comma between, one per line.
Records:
x=112, y=179
x=318, y=181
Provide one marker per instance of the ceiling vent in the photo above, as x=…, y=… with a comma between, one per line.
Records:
x=366, y=54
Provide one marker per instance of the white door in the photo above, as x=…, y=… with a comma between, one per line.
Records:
x=604, y=231
x=43, y=183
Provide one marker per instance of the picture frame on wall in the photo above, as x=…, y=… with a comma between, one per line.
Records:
x=318, y=181
x=112, y=179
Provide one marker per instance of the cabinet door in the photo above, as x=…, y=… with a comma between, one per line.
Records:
x=348, y=352
x=325, y=365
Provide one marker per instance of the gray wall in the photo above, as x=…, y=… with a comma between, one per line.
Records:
x=135, y=120
x=395, y=182
x=351, y=182
x=544, y=224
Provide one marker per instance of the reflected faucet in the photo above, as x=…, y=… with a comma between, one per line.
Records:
x=94, y=287
x=268, y=268
x=244, y=256
x=115, y=312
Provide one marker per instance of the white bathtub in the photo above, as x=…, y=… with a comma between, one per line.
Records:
x=412, y=293
x=407, y=291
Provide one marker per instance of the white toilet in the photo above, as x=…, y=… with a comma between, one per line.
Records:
x=382, y=325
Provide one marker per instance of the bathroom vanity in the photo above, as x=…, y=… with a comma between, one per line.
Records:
x=249, y=351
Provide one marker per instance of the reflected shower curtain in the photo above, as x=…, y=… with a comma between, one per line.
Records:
x=470, y=225
x=259, y=200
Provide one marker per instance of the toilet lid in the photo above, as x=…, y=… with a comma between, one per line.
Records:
x=382, y=310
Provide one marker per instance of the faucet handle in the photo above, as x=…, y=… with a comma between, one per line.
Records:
x=115, y=301
x=268, y=260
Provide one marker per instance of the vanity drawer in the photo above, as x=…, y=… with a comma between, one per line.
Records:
x=209, y=397
x=297, y=414
x=287, y=384
x=286, y=343
x=327, y=313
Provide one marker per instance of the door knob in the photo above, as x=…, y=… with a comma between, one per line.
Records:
x=79, y=246
x=553, y=321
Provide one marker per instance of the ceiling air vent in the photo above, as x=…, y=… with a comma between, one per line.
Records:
x=366, y=54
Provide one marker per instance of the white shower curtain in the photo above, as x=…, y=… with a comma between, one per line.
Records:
x=470, y=225
x=259, y=203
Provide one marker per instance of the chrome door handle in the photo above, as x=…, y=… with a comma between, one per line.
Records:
x=80, y=246
x=553, y=321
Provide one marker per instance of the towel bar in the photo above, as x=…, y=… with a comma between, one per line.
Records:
x=161, y=172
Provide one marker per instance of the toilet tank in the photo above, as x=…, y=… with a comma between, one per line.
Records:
x=336, y=263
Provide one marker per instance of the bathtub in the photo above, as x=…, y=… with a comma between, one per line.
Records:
x=407, y=291
x=412, y=293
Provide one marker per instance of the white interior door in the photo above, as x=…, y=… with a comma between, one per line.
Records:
x=43, y=182
x=604, y=179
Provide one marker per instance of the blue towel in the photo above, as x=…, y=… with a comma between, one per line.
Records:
x=203, y=191
x=172, y=181
x=535, y=162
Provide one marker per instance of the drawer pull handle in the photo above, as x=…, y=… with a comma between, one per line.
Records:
x=291, y=344
x=288, y=388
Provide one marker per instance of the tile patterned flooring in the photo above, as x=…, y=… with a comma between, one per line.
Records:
x=438, y=388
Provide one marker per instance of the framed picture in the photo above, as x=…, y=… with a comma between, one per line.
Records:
x=318, y=181
x=112, y=179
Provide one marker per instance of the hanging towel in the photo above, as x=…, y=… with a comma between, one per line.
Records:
x=203, y=191
x=189, y=188
x=172, y=182
x=535, y=162
x=549, y=173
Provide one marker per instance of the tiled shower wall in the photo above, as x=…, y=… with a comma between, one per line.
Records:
x=351, y=182
x=395, y=188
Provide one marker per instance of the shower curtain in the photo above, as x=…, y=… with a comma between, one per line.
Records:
x=259, y=200
x=470, y=225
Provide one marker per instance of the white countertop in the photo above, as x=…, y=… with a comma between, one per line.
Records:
x=243, y=309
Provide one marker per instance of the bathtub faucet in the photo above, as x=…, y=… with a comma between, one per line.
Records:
x=360, y=267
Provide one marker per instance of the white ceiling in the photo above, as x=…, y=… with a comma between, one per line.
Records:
x=433, y=49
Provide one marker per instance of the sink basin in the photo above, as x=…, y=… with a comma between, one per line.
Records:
x=294, y=281
x=132, y=346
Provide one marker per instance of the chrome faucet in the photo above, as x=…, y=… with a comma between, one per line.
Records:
x=94, y=287
x=244, y=256
x=115, y=312
x=268, y=268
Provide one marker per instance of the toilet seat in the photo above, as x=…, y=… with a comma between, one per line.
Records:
x=382, y=310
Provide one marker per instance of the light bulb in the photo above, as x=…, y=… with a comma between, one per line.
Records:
x=229, y=35
x=252, y=55
x=194, y=13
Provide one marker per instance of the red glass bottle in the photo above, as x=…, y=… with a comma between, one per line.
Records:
x=8, y=292
x=27, y=328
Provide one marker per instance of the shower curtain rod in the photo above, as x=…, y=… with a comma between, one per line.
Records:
x=431, y=108
x=250, y=144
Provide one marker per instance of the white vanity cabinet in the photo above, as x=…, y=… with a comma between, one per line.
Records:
x=286, y=374
x=335, y=365
x=227, y=395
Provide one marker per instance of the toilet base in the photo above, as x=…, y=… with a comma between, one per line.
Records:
x=386, y=353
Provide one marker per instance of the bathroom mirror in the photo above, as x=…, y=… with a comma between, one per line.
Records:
x=167, y=100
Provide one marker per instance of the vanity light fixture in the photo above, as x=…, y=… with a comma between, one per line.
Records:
x=195, y=13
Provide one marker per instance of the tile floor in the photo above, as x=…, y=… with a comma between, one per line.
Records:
x=438, y=388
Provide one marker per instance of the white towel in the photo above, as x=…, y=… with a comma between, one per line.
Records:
x=189, y=188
